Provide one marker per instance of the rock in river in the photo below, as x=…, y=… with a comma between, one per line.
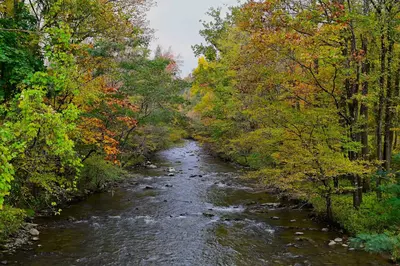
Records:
x=34, y=232
x=332, y=243
x=171, y=170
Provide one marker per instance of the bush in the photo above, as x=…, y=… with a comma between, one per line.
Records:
x=379, y=243
x=372, y=216
x=11, y=220
x=97, y=173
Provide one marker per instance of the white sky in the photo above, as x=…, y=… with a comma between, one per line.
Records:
x=177, y=25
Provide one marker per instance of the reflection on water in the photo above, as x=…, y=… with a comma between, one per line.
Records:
x=204, y=215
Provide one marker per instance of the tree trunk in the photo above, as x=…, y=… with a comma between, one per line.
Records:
x=329, y=213
x=357, y=195
x=388, y=134
x=379, y=117
x=365, y=69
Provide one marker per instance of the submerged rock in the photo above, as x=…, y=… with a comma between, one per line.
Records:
x=325, y=230
x=149, y=187
x=151, y=166
x=299, y=233
x=338, y=239
x=272, y=205
x=275, y=218
x=35, y=238
x=208, y=214
x=171, y=174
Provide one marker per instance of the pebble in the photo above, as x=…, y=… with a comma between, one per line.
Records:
x=275, y=218
x=338, y=239
x=293, y=221
x=4, y=262
x=299, y=233
x=35, y=238
x=344, y=245
x=325, y=230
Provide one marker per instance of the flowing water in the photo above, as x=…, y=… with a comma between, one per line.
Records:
x=204, y=215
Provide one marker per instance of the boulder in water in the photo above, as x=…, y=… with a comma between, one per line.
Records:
x=34, y=232
x=171, y=170
x=151, y=166
x=332, y=243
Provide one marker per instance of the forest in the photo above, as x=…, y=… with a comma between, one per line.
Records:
x=306, y=94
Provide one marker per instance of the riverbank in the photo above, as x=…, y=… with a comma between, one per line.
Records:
x=361, y=225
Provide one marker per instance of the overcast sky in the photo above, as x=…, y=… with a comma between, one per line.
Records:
x=177, y=26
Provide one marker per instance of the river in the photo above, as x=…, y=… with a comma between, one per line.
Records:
x=204, y=215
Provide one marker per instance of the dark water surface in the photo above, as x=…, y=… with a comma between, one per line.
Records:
x=184, y=220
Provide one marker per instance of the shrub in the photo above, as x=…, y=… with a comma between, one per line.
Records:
x=97, y=172
x=11, y=219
